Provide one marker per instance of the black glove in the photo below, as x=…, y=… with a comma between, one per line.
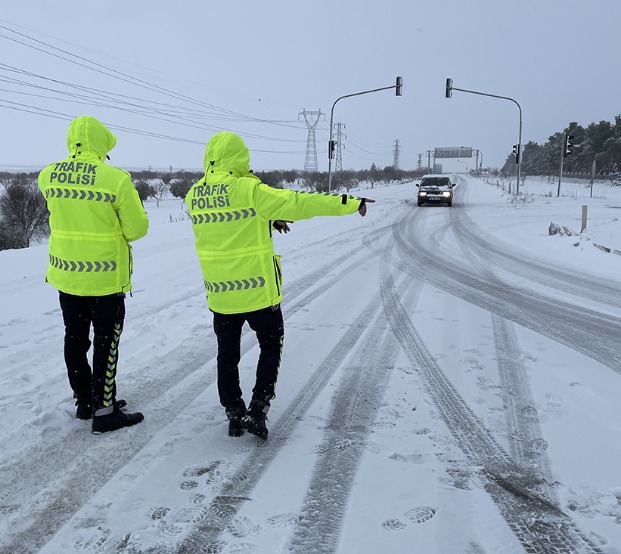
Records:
x=362, y=209
x=281, y=225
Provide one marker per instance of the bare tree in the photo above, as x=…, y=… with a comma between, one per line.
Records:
x=23, y=213
x=161, y=188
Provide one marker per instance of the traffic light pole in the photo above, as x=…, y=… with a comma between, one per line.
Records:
x=397, y=87
x=479, y=166
x=450, y=88
x=565, y=151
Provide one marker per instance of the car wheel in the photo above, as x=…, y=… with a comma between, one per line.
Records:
x=420, y=203
x=449, y=203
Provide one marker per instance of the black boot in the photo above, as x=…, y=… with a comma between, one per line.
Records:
x=84, y=410
x=236, y=429
x=254, y=420
x=114, y=420
x=235, y=415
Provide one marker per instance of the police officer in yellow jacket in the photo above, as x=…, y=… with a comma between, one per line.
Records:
x=95, y=212
x=233, y=215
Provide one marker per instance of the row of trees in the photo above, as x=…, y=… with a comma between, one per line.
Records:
x=151, y=184
x=24, y=216
x=599, y=142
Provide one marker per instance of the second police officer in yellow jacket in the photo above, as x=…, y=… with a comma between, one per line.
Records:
x=233, y=216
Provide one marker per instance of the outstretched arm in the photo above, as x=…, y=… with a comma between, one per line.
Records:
x=284, y=205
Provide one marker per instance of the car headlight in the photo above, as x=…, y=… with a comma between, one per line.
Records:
x=446, y=194
x=422, y=193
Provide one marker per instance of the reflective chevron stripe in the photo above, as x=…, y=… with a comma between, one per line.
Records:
x=241, y=284
x=113, y=356
x=82, y=267
x=349, y=196
x=79, y=194
x=219, y=217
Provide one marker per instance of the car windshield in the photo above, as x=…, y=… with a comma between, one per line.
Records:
x=435, y=182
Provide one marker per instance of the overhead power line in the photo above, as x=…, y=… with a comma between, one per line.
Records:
x=194, y=116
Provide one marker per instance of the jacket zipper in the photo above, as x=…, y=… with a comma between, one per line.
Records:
x=278, y=275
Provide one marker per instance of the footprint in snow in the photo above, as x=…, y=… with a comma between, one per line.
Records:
x=243, y=526
x=393, y=525
x=420, y=514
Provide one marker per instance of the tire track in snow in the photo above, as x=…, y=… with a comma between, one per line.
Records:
x=587, y=331
x=538, y=525
x=354, y=408
x=573, y=281
x=524, y=434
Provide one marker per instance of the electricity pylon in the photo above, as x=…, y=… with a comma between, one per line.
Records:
x=395, y=152
x=338, y=153
x=310, y=162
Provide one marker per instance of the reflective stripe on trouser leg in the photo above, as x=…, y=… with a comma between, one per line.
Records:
x=108, y=317
x=113, y=356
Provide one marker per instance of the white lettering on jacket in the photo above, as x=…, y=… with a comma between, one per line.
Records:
x=205, y=197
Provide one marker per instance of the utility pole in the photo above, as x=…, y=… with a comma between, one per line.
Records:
x=420, y=162
x=339, y=155
x=311, y=118
x=395, y=154
x=429, y=153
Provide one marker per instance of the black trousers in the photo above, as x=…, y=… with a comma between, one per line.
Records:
x=106, y=314
x=269, y=327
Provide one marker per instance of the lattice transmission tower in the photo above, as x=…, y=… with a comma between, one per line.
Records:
x=338, y=152
x=395, y=154
x=311, y=118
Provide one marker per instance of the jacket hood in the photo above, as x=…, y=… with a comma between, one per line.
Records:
x=87, y=134
x=226, y=152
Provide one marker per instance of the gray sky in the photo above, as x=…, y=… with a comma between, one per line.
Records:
x=253, y=67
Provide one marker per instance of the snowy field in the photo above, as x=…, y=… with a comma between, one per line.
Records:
x=450, y=383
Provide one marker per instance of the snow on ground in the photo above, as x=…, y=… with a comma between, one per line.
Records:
x=450, y=383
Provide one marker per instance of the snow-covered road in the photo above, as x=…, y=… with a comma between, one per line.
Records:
x=449, y=383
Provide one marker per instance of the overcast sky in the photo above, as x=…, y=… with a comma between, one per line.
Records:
x=175, y=73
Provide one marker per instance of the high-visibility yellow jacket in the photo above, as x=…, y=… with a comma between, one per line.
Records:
x=95, y=212
x=232, y=214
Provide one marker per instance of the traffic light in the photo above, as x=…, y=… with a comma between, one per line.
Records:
x=516, y=152
x=399, y=86
x=569, y=144
x=449, y=87
x=331, y=145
